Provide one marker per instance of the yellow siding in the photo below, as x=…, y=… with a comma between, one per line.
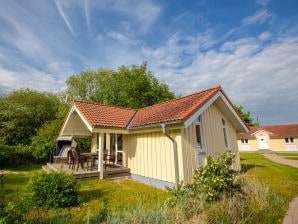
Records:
x=189, y=153
x=213, y=138
x=150, y=154
x=212, y=131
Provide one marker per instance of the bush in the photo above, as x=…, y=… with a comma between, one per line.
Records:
x=12, y=156
x=54, y=189
x=216, y=178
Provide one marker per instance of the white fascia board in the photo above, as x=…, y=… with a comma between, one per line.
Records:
x=234, y=112
x=201, y=110
x=83, y=119
x=212, y=100
x=66, y=120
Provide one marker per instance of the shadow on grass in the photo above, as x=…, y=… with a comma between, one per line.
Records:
x=247, y=167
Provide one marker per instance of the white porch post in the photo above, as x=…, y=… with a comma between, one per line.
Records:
x=108, y=142
x=100, y=141
x=116, y=148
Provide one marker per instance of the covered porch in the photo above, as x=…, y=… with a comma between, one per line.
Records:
x=103, y=153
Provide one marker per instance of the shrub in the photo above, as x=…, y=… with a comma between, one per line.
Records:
x=54, y=189
x=216, y=177
x=12, y=156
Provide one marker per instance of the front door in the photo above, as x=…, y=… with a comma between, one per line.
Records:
x=262, y=140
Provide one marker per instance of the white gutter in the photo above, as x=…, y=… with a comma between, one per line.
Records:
x=164, y=131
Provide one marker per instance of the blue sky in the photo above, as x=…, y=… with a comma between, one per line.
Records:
x=248, y=47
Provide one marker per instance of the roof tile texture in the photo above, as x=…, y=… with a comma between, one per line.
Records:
x=179, y=109
x=105, y=115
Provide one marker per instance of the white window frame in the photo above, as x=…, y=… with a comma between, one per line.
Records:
x=200, y=147
x=225, y=134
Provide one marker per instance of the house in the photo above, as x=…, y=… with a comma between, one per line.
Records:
x=161, y=144
x=274, y=137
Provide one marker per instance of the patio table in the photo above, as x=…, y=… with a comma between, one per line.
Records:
x=90, y=158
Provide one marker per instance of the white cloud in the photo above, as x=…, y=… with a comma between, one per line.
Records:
x=64, y=17
x=263, y=2
x=265, y=36
x=257, y=18
x=252, y=75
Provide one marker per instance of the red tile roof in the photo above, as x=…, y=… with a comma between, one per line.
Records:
x=179, y=109
x=176, y=110
x=104, y=115
x=285, y=130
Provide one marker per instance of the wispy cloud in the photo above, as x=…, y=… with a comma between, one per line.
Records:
x=263, y=2
x=87, y=15
x=258, y=18
x=64, y=17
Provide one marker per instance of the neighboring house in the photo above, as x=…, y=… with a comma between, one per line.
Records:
x=161, y=144
x=274, y=137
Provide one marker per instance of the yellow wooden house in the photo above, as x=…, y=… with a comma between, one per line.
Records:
x=161, y=144
x=276, y=138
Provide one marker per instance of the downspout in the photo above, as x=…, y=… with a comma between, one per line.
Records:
x=164, y=131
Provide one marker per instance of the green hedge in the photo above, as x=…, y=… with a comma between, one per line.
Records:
x=13, y=156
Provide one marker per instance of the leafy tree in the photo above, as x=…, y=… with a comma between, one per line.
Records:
x=23, y=112
x=246, y=116
x=129, y=86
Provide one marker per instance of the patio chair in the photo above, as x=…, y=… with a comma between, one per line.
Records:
x=75, y=159
x=109, y=158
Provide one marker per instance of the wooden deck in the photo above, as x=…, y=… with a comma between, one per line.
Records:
x=84, y=174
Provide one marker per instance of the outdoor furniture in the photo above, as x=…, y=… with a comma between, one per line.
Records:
x=60, y=152
x=109, y=158
x=89, y=158
x=76, y=160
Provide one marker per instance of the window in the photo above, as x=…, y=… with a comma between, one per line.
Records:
x=199, y=138
x=225, y=133
x=199, y=133
x=244, y=141
x=289, y=140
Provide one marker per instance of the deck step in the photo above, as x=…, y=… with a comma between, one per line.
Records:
x=81, y=174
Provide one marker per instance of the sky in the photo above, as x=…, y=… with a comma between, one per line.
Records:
x=248, y=47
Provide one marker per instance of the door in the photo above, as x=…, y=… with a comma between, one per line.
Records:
x=262, y=140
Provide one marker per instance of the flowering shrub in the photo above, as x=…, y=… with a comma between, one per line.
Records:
x=216, y=177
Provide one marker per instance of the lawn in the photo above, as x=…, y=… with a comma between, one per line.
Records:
x=278, y=177
x=115, y=195
x=122, y=194
x=289, y=155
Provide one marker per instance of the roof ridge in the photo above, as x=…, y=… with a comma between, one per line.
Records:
x=182, y=97
x=102, y=104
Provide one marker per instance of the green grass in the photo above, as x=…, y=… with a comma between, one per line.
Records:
x=287, y=154
x=291, y=157
x=278, y=177
x=120, y=195
x=116, y=195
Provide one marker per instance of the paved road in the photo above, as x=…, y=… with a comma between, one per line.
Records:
x=292, y=213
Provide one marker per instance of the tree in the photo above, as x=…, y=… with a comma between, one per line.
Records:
x=23, y=112
x=129, y=86
x=246, y=116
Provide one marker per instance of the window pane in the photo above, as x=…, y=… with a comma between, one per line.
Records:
x=198, y=135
